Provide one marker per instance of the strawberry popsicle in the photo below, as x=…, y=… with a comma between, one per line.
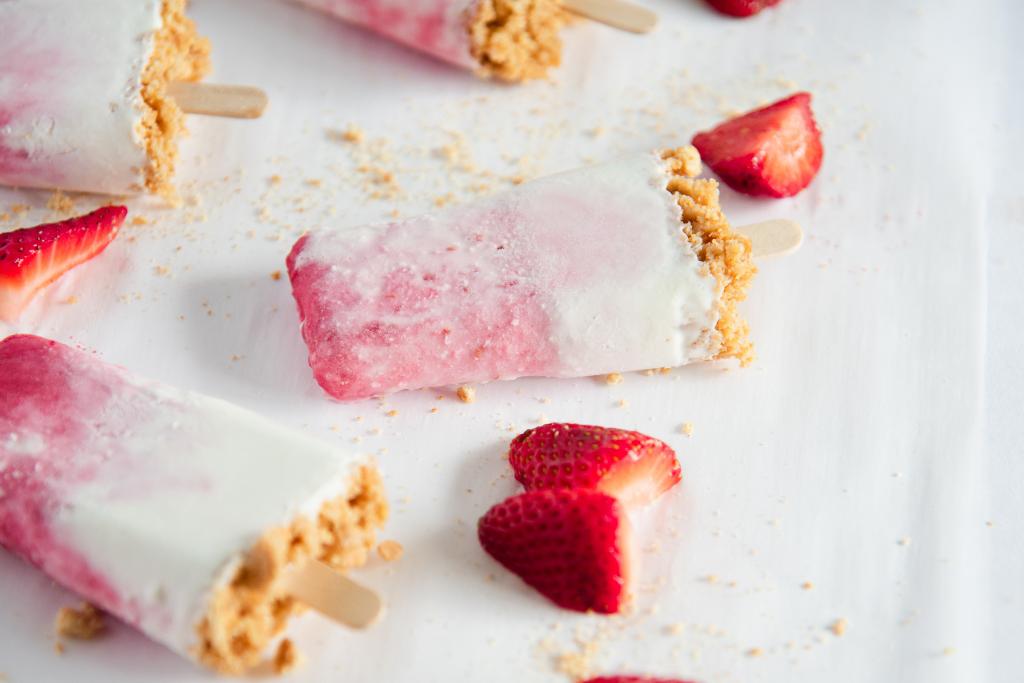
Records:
x=82, y=92
x=628, y=265
x=513, y=40
x=179, y=513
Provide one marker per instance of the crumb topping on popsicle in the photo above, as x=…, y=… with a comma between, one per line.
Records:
x=516, y=40
x=179, y=54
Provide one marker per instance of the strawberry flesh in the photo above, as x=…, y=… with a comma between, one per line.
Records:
x=774, y=151
x=571, y=546
x=31, y=258
x=631, y=466
x=741, y=8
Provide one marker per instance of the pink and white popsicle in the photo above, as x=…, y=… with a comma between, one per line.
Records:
x=625, y=266
x=177, y=512
x=82, y=92
x=509, y=39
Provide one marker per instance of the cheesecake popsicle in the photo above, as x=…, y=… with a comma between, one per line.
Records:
x=512, y=40
x=179, y=513
x=628, y=265
x=83, y=103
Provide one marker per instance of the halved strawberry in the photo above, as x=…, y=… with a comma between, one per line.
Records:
x=571, y=546
x=741, y=8
x=631, y=466
x=31, y=258
x=774, y=151
x=632, y=679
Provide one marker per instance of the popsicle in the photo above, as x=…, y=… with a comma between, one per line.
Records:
x=624, y=266
x=84, y=99
x=181, y=514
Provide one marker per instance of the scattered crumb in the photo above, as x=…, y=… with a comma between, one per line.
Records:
x=140, y=220
x=807, y=585
x=687, y=428
x=390, y=551
x=838, y=627
x=18, y=209
x=60, y=203
x=58, y=648
x=711, y=578
x=613, y=378
x=162, y=271
x=314, y=182
x=623, y=403
x=391, y=413
x=576, y=665
x=435, y=409
x=84, y=622
x=287, y=657
x=276, y=275
x=466, y=393
x=352, y=134
x=947, y=651
x=755, y=652
x=676, y=629
x=905, y=541
x=274, y=180
x=71, y=300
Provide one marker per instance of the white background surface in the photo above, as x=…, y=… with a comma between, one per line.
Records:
x=878, y=410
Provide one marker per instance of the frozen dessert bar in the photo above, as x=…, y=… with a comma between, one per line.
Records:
x=83, y=85
x=179, y=513
x=624, y=266
x=512, y=40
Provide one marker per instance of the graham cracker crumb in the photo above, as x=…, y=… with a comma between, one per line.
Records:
x=807, y=585
x=246, y=613
x=613, y=378
x=352, y=134
x=726, y=253
x=390, y=551
x=276, y=275
x=466, y=393
x=287, y=657
x=838, y=627
x=755, y=652
x=687, y=428
x=60, y=203
x=140, y=220
x=83, y=623
x=179, y=54
x=58, y=648
x=516, y=40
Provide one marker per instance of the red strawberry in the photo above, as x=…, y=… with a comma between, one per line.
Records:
x=32, y=258
x=631, y=466
x=632, y=679
x=572, y=546
x=770, y=152
x=741, y=8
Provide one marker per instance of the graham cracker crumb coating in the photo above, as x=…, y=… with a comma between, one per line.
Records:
x=245, y=614
x=179, y=54
x=725, y=252
x=516, y=40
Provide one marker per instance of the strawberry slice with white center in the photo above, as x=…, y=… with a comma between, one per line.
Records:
x=631, y=466
x=571, y=546
x=774, y=151
x=32, y=258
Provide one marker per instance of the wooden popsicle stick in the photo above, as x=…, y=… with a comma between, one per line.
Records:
x=616, y=13
x=233, y=101
x=773, y=238
x=333, y=594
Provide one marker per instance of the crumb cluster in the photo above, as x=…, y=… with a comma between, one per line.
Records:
x=725, y=252
x=251, y=609
x=516, y=40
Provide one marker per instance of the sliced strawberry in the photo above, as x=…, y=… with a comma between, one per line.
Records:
x=632, y=679
x=571, y=546
x=631, y=466
x=741, y=8
x=32, y=258
x=770, y=152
